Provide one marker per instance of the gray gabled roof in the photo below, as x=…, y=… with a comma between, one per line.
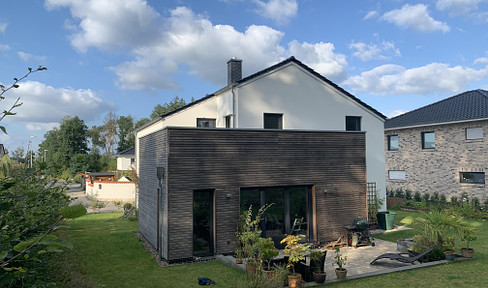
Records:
x=130, y=151
x=466, y=106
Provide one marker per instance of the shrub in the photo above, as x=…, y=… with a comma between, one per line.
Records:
x=465, y=198
x=127, y=206
x=435, y=198
x=391, y=193
x=417, y=197
x=399, y=193
x=454, y=201
x=476, y=204
x=426, y=198
x=443, y=200
x=408, y=195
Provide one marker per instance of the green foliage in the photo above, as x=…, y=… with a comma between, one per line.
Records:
x=141, y=122
x=267, y=250
x=399, y=193
x=417, y=197
x=408, y=195
x=294, y=249
x=117, y=203
x=125, y=133
x=426, y=198
x=5, y=166
x=339, y=260
x=315, y=260
x=174, y=104
x=71, y=212
x=374, y=207
x=30, y=210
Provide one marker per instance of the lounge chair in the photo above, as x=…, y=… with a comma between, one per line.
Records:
x=401, y=257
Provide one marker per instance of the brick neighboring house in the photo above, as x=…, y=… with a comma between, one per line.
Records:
x=440, y=147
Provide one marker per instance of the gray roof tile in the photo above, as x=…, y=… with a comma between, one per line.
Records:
x=468, y=105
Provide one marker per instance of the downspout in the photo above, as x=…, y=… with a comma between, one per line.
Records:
x=232, y=86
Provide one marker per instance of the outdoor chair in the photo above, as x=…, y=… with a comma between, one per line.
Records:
x=401, y=257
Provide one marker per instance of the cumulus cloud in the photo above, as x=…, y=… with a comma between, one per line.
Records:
x=366, y=52
x=395, y=79
x=414, y=17
x=280, y=11
x=105, y=24
x=320, y=57
x=43, y=104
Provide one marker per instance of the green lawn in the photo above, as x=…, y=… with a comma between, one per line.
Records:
x=109, y=252
x=113, y=256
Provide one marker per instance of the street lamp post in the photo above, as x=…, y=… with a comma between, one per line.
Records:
x=45, y=155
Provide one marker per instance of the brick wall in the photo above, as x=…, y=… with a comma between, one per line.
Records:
x=438, y=170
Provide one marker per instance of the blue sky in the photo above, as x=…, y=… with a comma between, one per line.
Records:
x=129, y=55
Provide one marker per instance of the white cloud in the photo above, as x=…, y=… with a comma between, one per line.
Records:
x=395, y=113
x=3, y=26
x=27, y=56
x=105, y=24
x=394, y=79
x=458, y=7
x=371, y=14
x=280, y=11
x=367, y=52
x=4, y=47
x=41, y=126
x=46, y=104
x=481, y=60
x=414, y=17
x=320, y=57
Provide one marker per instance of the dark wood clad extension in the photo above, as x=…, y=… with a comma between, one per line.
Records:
x=333, y=163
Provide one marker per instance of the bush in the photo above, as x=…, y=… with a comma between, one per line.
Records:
x=435, y=198
x=399, y=193
x=417, y=197
x=127, y=206
x=391, y=193
x=408, y=195
x=476, y=204
x=454, y=201
x=426, y=198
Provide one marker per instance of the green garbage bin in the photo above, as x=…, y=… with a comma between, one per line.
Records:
x=389, y=219
x=382, y=219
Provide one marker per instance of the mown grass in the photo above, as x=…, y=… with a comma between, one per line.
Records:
x=110, y=254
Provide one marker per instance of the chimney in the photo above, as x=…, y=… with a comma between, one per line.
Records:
x=234, y=70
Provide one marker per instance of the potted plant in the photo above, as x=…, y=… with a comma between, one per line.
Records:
x=239, y=256
x=317, y=259
x=449, y=248
x=296, y=252
x=468, y=236
x=266, y=252
x=340, y=261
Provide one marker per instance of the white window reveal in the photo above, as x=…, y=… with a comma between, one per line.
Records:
x=474, y=133
x=396, y=174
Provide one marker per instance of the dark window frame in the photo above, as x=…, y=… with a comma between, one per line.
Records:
x=477, y=180
x=390, y=148
x=227, y=120
x=268, y=117
x=209, y=120
x=353, y=123
x=424, y=146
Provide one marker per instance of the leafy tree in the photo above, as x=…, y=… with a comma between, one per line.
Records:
x=126, y=133
x=142, y=122
x=17, y=102
x=174, y=104
x=109, y=132
x=95, y=135
x=18, y=155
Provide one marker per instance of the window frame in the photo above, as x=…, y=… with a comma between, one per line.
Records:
x=404, y=178
x=389, y=142
x=273, y=116
x=357, y=123
x=461, y=178
x=210, y=120
x=228, y=121
x=473, y=128
x=423, y=140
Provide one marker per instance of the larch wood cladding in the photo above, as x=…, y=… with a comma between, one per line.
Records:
x=225, y=160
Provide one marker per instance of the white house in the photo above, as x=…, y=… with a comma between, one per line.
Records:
x=288, y=95
x=126, y=159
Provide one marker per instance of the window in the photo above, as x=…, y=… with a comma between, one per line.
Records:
x=353, y=123
x=474, y=133
x=273, y=121
x=472, y=177
x=227, y=121
x=206, y=122
x=100, y=186
x=132, y=160
x=392, y=142
x=428, y=140
x=396, y=174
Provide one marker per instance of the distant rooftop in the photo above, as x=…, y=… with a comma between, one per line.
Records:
x=130, y=151
x=469, y=105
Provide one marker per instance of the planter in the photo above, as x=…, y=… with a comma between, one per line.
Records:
x=341, y=273
x=269, y=273
x=238, y=261
x=450, y=255
x=251, y=267
x=295, y=280
x=467, y=252
x=319, y=277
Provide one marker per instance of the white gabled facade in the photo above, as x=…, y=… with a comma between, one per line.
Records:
x=306, y=100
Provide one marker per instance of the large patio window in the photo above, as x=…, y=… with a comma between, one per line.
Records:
x=290, y=213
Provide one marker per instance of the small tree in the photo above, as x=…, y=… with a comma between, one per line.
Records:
x=295, y=250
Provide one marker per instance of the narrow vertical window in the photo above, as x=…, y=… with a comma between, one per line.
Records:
x=353, y=123
x=227, y=121
x=392, y=142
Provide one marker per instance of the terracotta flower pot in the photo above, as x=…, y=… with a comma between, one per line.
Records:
x=341, y=273
x=467, y=252
x=269, y=273
x=450, y=255
x=295, y=280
